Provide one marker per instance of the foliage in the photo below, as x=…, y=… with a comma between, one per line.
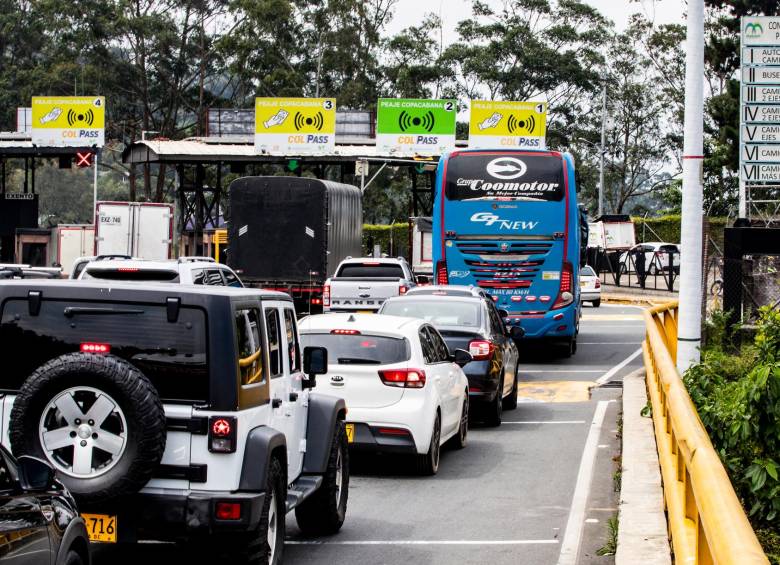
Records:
x=667, y=228
x=610, y=546
x=393, y=239
x=738, y=399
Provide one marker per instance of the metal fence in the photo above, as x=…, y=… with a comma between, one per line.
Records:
x=707, y=523
x=644, y=270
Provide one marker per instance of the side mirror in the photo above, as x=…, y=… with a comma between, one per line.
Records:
x=422, y=279
x=35, y=474
x=315, y=362
x=461, y=357
x=516, y=332
x=503, y=314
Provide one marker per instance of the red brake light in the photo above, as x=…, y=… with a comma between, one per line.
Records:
x=370, y=263
x=345, y=332
x=228, y=510
x=393, y=431
x=220, y=428
x=441, y=273
x=326, y=295
x=402, y=289
x=223, y=431
x=403, y=378
x=565, y=295
x=598, y=283
x=481, y=349
x=128, y=269
x=95, y=348
x=316, y=301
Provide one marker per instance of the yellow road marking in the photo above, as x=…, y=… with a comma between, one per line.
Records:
x=554, y=391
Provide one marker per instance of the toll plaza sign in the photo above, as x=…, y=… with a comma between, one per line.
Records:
x=507, y=125
x=415, y=127
x=295, y=126
x=68, y=121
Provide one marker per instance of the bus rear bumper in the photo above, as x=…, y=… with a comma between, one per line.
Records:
x=554, y=324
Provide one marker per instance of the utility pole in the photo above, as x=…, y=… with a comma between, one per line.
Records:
x=689, y=322
x=602, y=149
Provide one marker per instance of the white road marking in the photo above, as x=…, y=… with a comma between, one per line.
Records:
x=422, y=542
x=548, y=422
x=570, y=546
x=592, y=521
x=613, y=371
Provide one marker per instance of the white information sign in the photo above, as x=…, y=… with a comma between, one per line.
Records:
x=760, y=133
x=761, y=56
x=760, y=75
x=761, y=30
x=760, y=153
x=761, y=94
x=760, y=114
x=760, y=173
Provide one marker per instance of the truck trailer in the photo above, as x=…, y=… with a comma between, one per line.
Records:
x=290, y=234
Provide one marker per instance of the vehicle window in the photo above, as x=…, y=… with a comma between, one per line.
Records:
x=131, y=274
x=198, y=276
x=587, y=272
x=496, y=325
x=293, y=349
x=7, y=473
x=77, y=269
x=250, y=358
x=669, y=248
x=273, y=328
x=428, y=349
x=231, y=279
x=371, y=270
x=213, y=277
x=173, y=355
x=442, y=351
x=439, y=312
x=360, y=349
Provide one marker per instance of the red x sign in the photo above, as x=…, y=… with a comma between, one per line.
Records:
x=84, y=159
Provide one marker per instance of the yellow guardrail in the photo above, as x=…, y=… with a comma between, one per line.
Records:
x=707, y=523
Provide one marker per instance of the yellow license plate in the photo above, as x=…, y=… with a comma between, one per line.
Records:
x=100, y=527
x=365, y=311
x=583, y=284
x=350, y=428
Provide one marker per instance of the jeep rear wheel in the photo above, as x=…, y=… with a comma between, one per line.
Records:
x=323, y=512
x=96, y=419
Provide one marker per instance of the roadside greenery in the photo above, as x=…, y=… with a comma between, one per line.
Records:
x=737, y=395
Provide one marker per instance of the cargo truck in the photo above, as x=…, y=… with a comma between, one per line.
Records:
x=290, y=234
x=134, y=229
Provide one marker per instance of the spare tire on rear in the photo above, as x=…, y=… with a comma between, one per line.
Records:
x=97, y=419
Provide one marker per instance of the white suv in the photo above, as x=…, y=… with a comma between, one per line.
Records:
x=174, y=412
x=185, y=270
x=405, y=390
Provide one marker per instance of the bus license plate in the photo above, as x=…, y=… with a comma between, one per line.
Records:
x=350, y=428
x=100, y=527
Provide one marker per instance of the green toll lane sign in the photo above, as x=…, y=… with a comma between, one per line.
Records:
x=407, y=126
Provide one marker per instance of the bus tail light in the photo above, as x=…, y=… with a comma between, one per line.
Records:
x=481, y=349
x=565, y=295
x=441, y=273
x=326, y=295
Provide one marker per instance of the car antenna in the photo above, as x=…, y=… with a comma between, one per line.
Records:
x=351, y=318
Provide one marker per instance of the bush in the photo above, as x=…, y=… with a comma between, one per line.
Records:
x=738, y=399
x=394, y=240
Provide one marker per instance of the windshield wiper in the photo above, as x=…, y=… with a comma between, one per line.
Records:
x=71, y=311
x=357, y=361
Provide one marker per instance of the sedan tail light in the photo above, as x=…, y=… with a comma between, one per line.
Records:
x=403, y=378
x=598, y=283
x=481, y=349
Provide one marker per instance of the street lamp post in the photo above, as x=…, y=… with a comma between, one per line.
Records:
x=603, y=143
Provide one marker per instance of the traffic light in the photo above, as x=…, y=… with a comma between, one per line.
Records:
x=84, y=159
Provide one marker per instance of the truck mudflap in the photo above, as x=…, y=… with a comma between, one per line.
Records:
x=324, y=414
x=260, y=444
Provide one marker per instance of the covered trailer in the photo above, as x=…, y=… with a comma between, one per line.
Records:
x=71, y=241
x=136, y=229
x=290, y=233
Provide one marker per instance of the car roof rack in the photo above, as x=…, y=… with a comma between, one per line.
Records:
x=112, y=257
x=195, y=258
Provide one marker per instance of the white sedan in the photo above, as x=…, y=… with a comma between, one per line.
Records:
x=590, y=286
x=405, y=391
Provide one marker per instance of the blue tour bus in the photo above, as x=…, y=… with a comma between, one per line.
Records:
x=507, y=221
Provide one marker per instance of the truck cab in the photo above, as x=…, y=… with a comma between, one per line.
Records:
x=363, y=284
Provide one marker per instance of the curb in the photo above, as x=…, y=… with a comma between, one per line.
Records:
x=642, y=532
x=628, y=299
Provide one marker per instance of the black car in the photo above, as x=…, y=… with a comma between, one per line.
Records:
x=474, y=324
x=39, y=523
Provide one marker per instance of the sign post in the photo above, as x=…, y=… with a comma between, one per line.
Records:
x=68, y=121
x=295, y=126
x=507, y=125
x=759, y=132
x=415, y=127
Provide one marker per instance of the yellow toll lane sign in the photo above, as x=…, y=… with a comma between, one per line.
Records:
x=68, y=121
x=295, y=126
x=507, y=125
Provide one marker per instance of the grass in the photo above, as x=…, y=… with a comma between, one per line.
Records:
x=770, y=541
x=610, y=546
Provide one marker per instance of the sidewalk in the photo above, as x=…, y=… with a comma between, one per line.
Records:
x=634, y=295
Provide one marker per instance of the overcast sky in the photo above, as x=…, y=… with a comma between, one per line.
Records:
x=409, y=12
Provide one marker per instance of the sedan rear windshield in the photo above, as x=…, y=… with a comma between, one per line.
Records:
x=587, y=272
x=132, y=274
x=369, y=270
x=437, y=312
x=360, y=349
x=173, y=355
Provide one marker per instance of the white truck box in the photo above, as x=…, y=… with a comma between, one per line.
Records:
x=137, y=229
x=70, y=242
x=611, y=236
x=422, y=246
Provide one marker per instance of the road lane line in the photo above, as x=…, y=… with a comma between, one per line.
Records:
x=570, y=546
x=424, y=542
x=548, y=422
x=613, y=371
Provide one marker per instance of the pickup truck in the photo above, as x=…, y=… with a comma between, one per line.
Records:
x=363, y=284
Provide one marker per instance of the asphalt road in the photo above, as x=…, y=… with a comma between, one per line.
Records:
x=538, y=490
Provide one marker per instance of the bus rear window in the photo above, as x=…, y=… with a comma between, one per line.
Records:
x=505, y=177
